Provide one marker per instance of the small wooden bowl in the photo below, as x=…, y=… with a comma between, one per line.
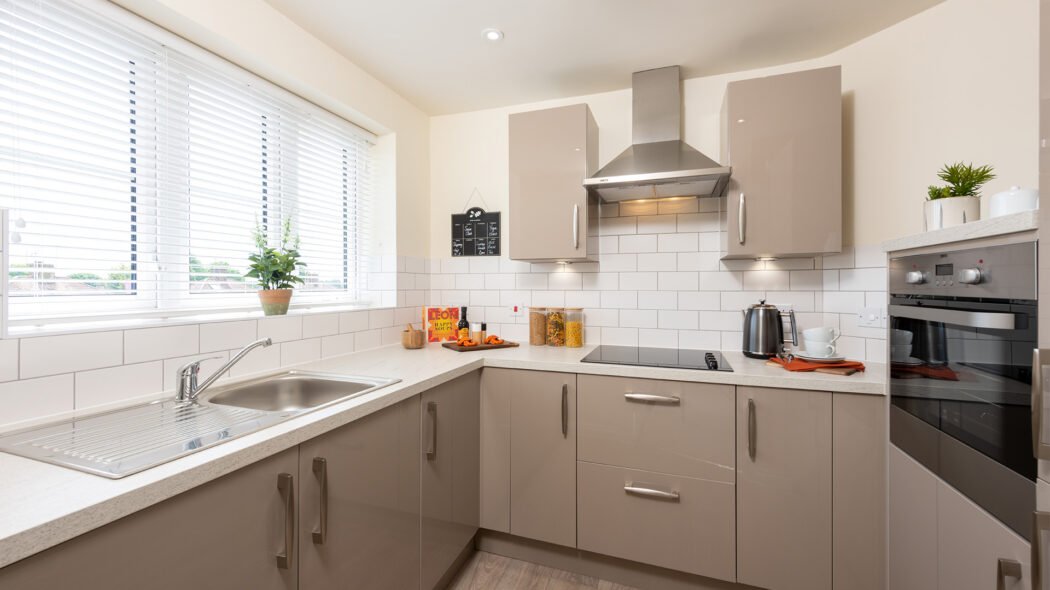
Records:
x=413, y=340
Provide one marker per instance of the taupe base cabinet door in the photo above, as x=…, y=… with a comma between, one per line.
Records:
x=784, y=508
x=225, y=534
x=530, y=438
x=450, y=485
x=359, y=505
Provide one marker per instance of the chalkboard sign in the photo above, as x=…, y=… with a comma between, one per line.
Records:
x=475, y=233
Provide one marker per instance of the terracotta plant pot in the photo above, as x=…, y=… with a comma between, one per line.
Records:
x=275, y=301
x=952, y=211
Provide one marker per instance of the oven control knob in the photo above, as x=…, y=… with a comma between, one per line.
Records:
x=970, y=276
x=915, y=277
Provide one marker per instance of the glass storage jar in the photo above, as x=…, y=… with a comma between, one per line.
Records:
x=555, y=326
x=574, y=327
x=537, y=326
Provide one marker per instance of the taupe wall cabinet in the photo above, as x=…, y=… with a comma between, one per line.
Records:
x=552, y=217
x=782, y=135
x=529, y=463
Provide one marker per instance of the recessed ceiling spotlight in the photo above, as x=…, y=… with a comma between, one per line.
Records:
x=493, y=34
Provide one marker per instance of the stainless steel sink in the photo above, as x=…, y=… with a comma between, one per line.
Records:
x=292, y=391
x=122, y=442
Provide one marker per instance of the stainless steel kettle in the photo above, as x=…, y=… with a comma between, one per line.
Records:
x=764, y=331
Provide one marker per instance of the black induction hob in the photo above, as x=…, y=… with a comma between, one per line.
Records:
x=672, y=358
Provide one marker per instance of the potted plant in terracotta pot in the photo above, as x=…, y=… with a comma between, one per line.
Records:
x=275, y=269
x=960, y=201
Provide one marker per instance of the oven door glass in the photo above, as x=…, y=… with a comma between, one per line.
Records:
x=964, y=367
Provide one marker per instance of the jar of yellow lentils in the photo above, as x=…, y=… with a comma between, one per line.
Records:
x=555, y=326
x=574, y=327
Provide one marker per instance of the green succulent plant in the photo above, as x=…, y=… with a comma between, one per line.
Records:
x=276, y=268
x=964, y=180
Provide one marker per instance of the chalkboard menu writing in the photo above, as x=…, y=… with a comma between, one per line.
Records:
x=475, y=233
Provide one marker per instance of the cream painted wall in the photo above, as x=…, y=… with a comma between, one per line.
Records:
x=958, y=81
x=254, y=35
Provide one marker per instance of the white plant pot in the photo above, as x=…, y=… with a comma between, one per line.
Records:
x=952, y=211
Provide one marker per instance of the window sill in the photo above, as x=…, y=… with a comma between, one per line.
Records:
x=205, y=317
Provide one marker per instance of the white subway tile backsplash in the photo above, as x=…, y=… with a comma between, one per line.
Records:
x=322, y=324
x=806, y=280
x=114, y=384
x=608, y=245
x=30, y=399
x=260, y=360
x=8, y=360
x=585, y=299
x=368, y=339
x=600, y=318
x=699, y=339
x=638, y=281
x=531, y=281
x=620, y=299
x=618, y=336
x=481, y=298
x=548, y=298
x=499, y=281
x=740, y=300
x=380, y=318
x=619, y=263
x=843, y=259
x=679, y=320
x=151, y=344
x=707, y=261
x=657, y=300
x=721, y=281
x=688, y=242
x=678, y=281
x=618, y=226
x=656, y=224
x=698, y=222
x=53, y=355
x=800, y=301
x=843, y=302
x=679, y=205
x=862, y=279
x=226, y=335
x=869, y=256
x=664, y=261
x=564, y=281
x=709, y=241
x=628, y=208
x=637, y=243
x=483, y=264
x=699, y=300
x=467, y=282
x=658, y=338
x=280, y=328
x=603, y=281
x=767, y=280
x=300, y=351
x=353, y=321
x=638, y=318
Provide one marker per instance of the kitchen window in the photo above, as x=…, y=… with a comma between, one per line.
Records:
x=135, y=174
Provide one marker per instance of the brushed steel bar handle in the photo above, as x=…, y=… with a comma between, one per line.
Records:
x=432, y=444
x=1040, y=450
x=649, y=491
x=959, y=317
x=287, y=490
x=1007, y=568
x=652, y=398
x=1040, y=523
x=576, y=226
x=741, y=218
x=320, y=468
x=565, y=410
x=752, y=430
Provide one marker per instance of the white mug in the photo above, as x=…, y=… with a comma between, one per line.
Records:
x=819, y=348
x=901, y=337
x=821, y=334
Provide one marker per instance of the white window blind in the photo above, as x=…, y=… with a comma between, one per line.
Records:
x=136, y=174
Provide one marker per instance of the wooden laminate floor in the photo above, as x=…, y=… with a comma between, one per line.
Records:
x=487, y=571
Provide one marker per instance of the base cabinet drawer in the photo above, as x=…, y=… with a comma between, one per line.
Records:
x=663, y=426
x=669, y=521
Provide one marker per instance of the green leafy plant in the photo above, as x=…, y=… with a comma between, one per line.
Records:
x=964, y=180
x=276, y=268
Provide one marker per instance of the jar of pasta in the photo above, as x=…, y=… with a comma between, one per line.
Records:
x=537, y=326
x=574, y=327
x=555, y=326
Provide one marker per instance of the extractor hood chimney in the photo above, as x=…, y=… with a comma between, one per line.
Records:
x=658, y=164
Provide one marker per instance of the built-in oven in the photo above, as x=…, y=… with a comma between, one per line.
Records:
x=962, y=330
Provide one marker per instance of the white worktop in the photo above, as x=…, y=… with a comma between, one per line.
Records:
x=984, y=228
x=42, y=505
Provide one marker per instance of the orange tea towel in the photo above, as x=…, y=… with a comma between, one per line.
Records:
x=798, y=364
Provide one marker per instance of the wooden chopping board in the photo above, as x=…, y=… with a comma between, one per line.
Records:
x=458, y=348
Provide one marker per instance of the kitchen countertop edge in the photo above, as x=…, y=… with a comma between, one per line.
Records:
x=46, y=504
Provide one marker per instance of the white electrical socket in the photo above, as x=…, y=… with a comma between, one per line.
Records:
x=517, y=310
x=872, y=317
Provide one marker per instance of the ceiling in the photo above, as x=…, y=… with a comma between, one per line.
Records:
x=433, y=53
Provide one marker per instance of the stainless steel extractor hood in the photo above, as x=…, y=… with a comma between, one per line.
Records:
x=658, y=164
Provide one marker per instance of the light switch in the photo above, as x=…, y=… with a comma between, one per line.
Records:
x=872, y=317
